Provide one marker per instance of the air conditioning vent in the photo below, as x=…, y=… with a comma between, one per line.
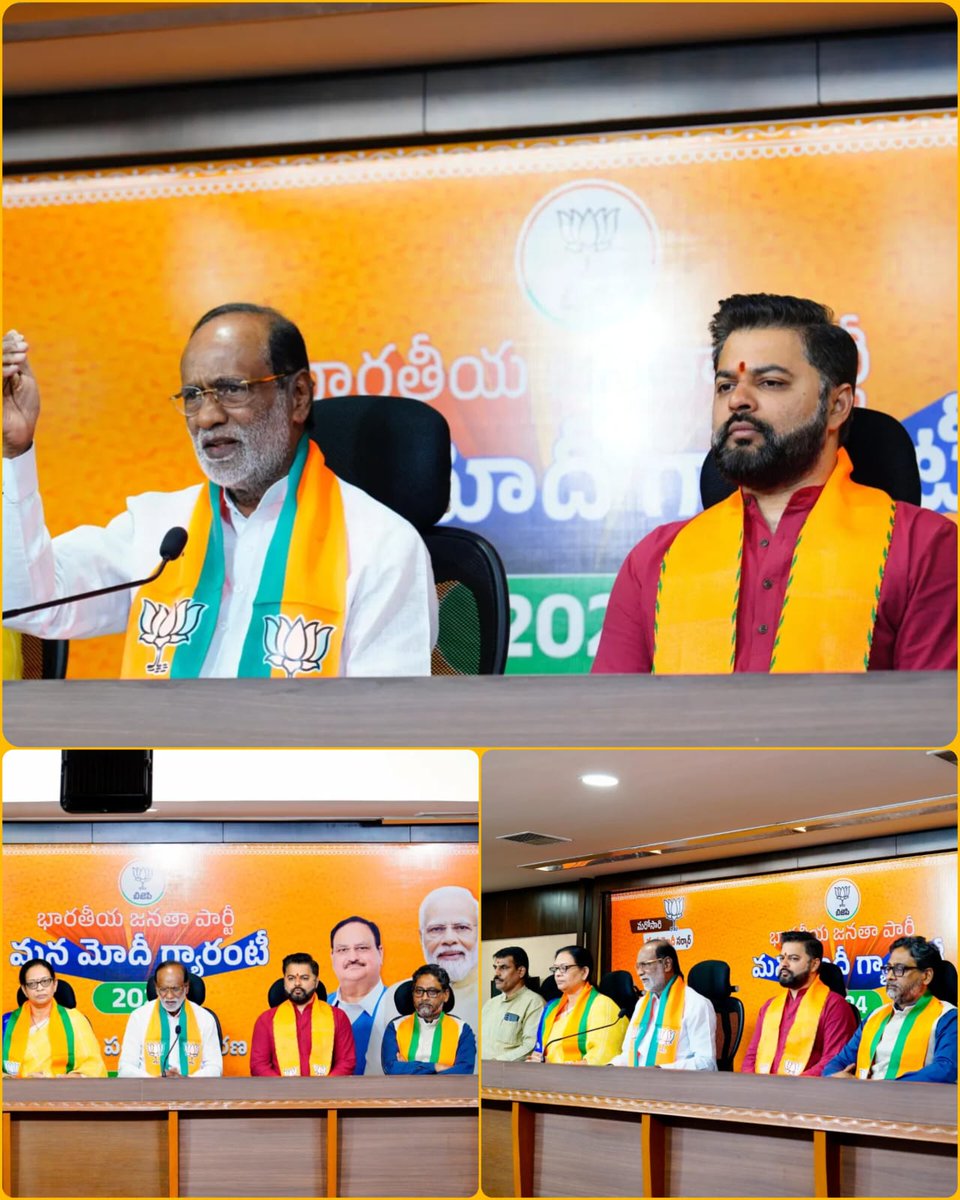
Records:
x=532, y=839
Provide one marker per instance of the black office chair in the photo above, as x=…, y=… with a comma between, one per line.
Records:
x=711, y=978
x=403, y=998
x=881, y=450
x=196, y=991
x=832, y=976
x=619, y=987
x=530, y=981
x=66, y=997
x=398, y=451
x=944, y=982
x=549, y=990
x=276, y=994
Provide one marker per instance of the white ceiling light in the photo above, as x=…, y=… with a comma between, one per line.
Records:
x=598, y=779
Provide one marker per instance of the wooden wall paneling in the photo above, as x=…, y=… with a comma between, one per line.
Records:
x=7, y=1173
x=579, y=1152
x=716, y=1158
x=417, y=1153
x=893, y=1167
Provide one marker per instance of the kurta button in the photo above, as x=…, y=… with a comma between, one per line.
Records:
x=764, y=542
x=768, y=584
x=761, y=629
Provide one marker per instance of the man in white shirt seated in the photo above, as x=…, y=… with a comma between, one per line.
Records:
x=170, y=1035
x=429, y=1040
x=288, y=571
x=672, y=1026
x=357, y=957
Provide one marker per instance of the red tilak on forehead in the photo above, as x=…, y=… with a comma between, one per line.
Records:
x=743, y=368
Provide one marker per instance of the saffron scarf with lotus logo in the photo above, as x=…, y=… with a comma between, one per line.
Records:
x=830, y=605
x=297, y=624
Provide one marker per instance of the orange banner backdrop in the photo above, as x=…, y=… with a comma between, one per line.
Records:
x=103, y=915
x=551, y=298
x=856, y=911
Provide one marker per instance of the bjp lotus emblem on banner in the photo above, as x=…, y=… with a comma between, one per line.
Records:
x=162, y=625
x=587, y=253
x=842, y=900
x=673, y=907
x=296, y=647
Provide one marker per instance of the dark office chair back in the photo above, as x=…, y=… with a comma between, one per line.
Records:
x=549, y=990
x=832, y=976
x=881, y=450
x=711, y=978
x=43, y=659
x=398, y=451
x=619, y=987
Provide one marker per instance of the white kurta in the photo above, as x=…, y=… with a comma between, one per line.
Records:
x=131, y=1052
x=390, y=623
x=697, y=1050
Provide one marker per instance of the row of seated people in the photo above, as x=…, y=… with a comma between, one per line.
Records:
x=808, y=1028
x=173, y=1035
x=784, y=413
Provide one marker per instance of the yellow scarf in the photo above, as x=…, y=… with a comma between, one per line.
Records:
x=830, y=605
x=446, y=1037
x=297, y=623
x=321, y=1038
x=59, y=1030
x=570, y=1049
x=910, y=1049
x=663, y=1045
x=157, y=1041
x=799, y=1044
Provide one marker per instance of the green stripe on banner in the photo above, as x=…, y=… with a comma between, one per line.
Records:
x=555, y=622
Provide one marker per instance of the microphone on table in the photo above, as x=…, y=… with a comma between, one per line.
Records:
x=171, y=548
x=176, y=1028
x=576, y=1033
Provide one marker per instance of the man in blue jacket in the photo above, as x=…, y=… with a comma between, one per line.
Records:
x=915, y=1036
x=429, y=1040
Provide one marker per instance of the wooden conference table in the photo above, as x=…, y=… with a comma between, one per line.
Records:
x=409, y=1136
x=551, y=1130
x=876, y=709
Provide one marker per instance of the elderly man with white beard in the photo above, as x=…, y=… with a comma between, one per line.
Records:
x=288, y=571
x=449, y=934
x=170, y=1035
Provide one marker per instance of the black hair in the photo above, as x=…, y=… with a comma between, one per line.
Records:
x=285, y=345
x=35, y=962
x=829, y=349
x=432, y=969
x=518, y=954
x=301, y=958
x=665, y=949
x=580, y=955
x=172, y=963
x=812, y=946
x=374, y=929
x=925, y=954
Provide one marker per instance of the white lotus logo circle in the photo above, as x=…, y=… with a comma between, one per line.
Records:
x=295, y=646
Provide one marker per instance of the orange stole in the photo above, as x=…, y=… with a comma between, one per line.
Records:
x=799, y=1044
x=829, y=608
x=321, y=1038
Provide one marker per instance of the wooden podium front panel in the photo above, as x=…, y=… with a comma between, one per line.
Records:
x=252, y=1154
x=582, y=1153
x=496, y=1149
x=415, y=1153
x=891, y=1167
x=120, y=1154
x=714, y=1158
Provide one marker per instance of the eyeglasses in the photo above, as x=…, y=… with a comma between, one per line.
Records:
x=34, y=984
x=649, y=962
x=897, y=971
x=562, y=969
x=171, y=991
x=430, y=993
x=228, y=393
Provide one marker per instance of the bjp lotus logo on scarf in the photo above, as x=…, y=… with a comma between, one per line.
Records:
x=162, y=625
x=297, y=646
